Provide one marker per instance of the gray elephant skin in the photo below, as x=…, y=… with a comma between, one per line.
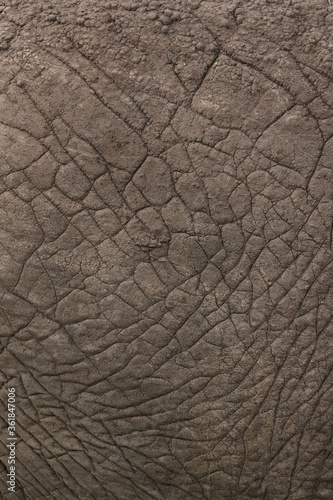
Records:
x=166, y=249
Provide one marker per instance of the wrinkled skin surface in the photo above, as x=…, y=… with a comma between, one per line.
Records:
x=166, y=260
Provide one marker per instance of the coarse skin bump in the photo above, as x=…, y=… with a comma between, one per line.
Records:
x=166, y=249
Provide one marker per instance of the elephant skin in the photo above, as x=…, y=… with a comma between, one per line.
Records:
x=166, y=249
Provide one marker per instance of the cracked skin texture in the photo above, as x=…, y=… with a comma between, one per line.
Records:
x=166, y=261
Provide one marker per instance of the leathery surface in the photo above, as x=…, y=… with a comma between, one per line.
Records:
x=166, y=260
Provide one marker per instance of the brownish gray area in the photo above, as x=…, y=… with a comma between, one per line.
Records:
x=166, y=248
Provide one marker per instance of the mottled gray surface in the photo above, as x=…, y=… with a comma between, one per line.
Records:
x=166, y=261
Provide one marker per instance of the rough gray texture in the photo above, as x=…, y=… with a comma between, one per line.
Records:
x=166, y=262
